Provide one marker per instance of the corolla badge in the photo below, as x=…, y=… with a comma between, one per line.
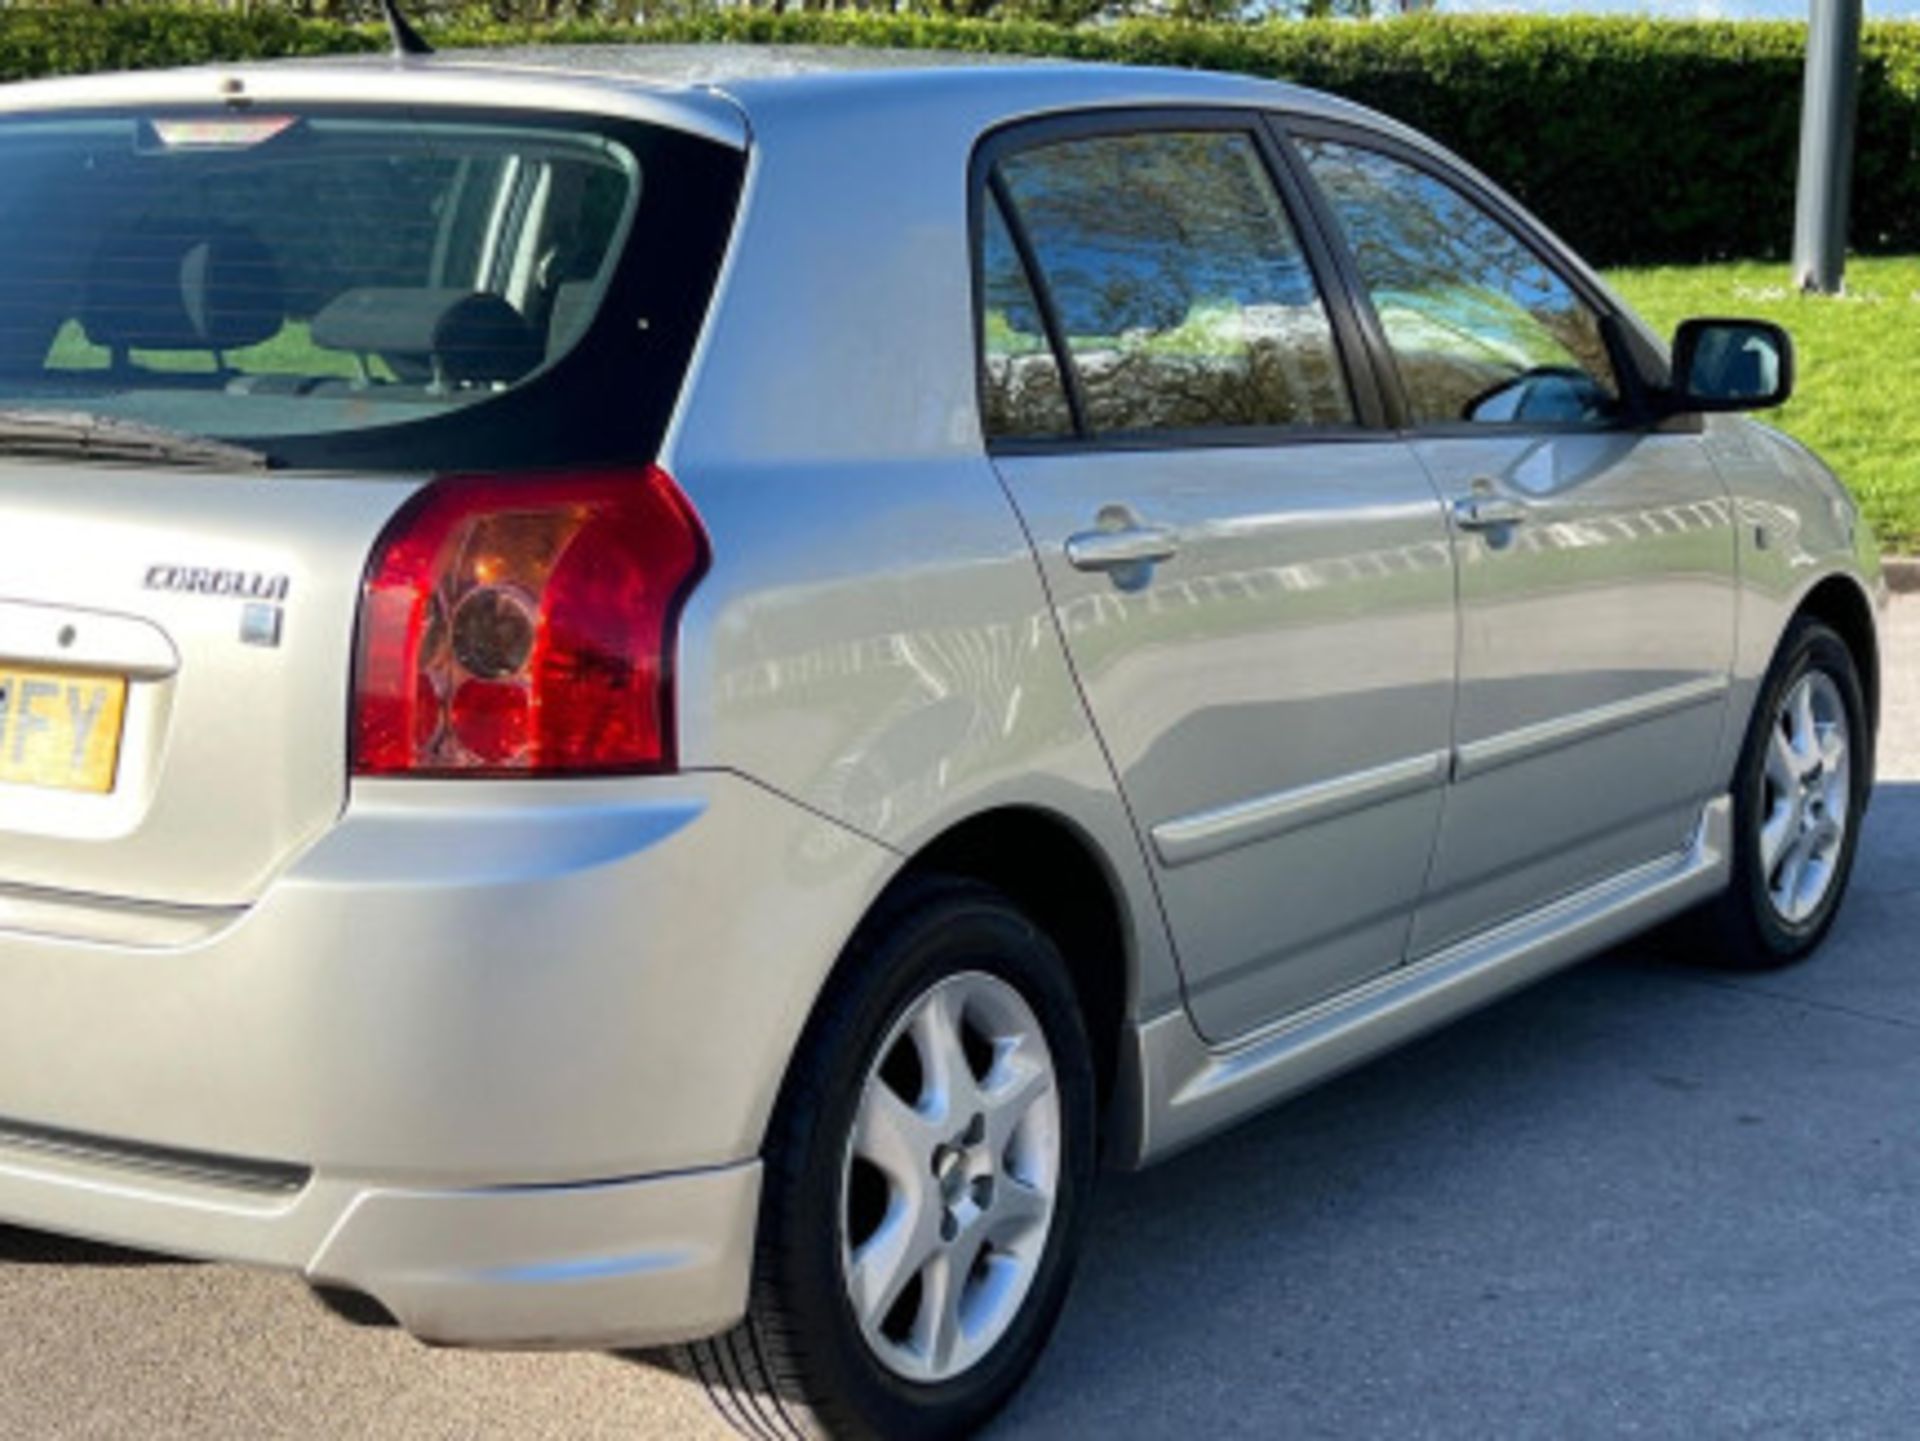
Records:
x=203, y=580
x=262, y=618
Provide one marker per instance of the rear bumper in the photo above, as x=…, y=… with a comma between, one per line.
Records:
x=411, y=1067
x=627, y=1263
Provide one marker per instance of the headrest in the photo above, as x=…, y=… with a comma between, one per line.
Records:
x=155, y=287
x=572, y=309
x=474, y=338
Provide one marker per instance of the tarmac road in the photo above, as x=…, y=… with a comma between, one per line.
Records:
x=1639, y=1200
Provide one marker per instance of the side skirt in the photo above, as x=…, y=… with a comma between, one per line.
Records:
x=1182, y=1090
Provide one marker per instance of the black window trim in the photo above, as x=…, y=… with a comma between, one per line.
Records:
x=998, y=199
x=1637, y=390
x=1356, y=360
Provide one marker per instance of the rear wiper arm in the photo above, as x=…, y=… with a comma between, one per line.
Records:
x=101, y=437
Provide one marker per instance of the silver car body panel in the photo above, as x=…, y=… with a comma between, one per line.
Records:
x=425, y=1016
x=1597, y=636
x=206, y=824
x=458, y=1004
x=1796, y=529
x=1311, y=600
x=345, y=1020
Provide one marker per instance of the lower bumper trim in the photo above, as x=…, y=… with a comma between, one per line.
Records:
x=258, y=1178
x=619, y=1264
x=641, y=1262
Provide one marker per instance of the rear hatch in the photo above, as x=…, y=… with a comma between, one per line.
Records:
x=233, y=342
x=174, y=655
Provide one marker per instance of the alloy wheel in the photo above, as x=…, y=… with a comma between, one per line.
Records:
x=1804, y=810
x=950, y=1178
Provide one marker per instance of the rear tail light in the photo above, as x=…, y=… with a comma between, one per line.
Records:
x=525, y=625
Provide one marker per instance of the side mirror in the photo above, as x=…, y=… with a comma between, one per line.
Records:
x=1721, y=365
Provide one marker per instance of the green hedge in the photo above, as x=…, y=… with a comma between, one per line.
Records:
x=56, y=40
x=1641, y=141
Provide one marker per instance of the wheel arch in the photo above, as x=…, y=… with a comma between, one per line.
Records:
x=1056, y=873
x=1839, y=601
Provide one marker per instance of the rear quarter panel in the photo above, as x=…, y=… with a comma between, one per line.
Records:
x=873, y=639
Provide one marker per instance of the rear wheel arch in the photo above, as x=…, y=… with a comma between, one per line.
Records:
x=1056, y=875
x=1048, y=867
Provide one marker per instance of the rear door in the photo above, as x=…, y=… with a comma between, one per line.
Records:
x=1252, y=578
x=1595, y=550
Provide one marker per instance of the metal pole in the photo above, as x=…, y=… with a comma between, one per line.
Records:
x=1826, y=145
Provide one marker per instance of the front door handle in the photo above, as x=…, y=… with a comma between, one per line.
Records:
x=1124, y=549
x=1480, y=511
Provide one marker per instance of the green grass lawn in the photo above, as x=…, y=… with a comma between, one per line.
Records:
x=1857, y=401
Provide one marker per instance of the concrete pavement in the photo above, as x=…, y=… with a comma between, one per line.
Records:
x=1639, y=1200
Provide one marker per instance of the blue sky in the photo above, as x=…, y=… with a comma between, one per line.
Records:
x=1679, y=9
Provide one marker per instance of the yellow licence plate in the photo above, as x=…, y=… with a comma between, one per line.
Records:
x=60, y=729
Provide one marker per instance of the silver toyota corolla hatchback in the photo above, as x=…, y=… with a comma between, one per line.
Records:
x=649, y=697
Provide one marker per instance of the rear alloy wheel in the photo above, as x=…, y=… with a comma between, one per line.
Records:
x=1799, y=795
x=951, y=1172
x=926, y=1173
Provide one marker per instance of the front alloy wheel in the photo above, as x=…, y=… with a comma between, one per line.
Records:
x=1798, y=796
x=1808, y=797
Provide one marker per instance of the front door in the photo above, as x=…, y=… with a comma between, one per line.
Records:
x=1595, y=551
x=1254, y=585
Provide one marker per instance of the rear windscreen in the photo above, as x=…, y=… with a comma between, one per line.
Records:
x=351, y=288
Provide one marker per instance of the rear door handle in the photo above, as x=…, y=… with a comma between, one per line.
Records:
x=1486, y=512
x=1123, y=549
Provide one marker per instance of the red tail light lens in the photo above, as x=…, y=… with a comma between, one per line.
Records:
x=525, y=625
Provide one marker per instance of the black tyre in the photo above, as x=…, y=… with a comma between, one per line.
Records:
x=1800, y=793
x=927, y=1171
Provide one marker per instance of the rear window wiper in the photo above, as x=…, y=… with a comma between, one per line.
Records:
x=99, y=437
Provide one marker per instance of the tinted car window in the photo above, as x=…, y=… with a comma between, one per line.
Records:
x=1482, y=329
x=1181, y=287
x=308, y=281
x=1021, y=392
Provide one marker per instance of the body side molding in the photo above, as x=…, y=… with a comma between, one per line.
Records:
x=1209, y=833
x=1186, y=1090
x=1197, y=837
x=1478, y=757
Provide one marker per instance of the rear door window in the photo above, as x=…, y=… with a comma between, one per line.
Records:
x=292, y=278
x=1185, y=299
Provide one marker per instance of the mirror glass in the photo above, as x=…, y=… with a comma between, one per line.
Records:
x=1733, y=364
x=1547, y=394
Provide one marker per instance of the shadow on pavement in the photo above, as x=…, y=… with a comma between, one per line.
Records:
x=36, y=1248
